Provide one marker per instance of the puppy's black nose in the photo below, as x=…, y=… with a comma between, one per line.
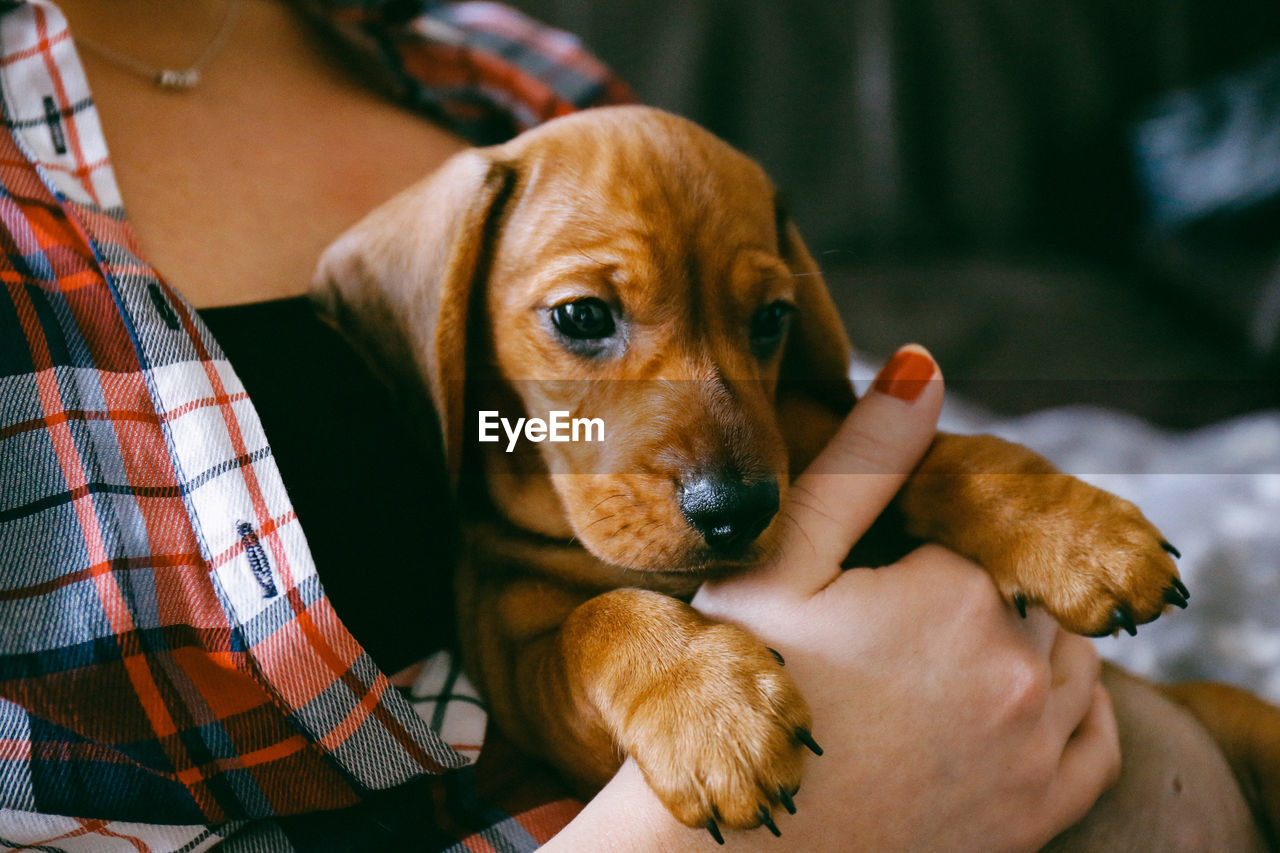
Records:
x=729, y=513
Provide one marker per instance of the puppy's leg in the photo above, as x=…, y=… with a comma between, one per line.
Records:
x=706, y=710
x=1247, y=730
x=1175, y=791
x=1088, y=557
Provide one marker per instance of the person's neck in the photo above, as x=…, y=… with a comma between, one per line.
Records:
x=235, y=187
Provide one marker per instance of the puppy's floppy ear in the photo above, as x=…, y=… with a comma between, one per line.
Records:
x=814, y=391
x=816, y=360
x=399, y=283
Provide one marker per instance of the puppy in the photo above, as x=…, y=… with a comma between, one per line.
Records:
x=624, y=265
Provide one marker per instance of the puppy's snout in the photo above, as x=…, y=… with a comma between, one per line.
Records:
x=728, y=513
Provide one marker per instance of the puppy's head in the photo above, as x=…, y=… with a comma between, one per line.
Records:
x=620, y=266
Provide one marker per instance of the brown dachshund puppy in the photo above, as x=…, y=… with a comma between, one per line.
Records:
x=625, y=266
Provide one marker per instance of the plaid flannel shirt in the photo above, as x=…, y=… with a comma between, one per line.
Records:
x=171, y=672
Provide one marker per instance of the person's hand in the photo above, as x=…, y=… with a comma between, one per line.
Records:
x=947, y=721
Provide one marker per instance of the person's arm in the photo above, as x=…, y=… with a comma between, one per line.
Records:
x=947, y=722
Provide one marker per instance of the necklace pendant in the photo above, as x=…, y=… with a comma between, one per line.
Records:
x=168, y=78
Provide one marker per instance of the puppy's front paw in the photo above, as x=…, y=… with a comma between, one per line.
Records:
x=1091, y=559
x=721, y=741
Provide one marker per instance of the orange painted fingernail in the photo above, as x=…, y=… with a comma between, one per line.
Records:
x=907, y=374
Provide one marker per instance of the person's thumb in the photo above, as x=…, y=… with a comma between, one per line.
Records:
x=851, y=482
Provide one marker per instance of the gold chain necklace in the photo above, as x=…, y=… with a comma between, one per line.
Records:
x=171, y=79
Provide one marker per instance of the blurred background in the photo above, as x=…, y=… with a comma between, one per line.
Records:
x=1068, y=201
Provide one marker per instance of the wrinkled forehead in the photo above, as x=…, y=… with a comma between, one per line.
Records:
x=659, y=188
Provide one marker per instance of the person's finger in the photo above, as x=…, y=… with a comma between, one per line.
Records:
x=851, y=482
x=1090, y=762
x=1038, y=626
x=1076, y=666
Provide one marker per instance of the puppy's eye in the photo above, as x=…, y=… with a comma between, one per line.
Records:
x=584, y=319
x=769, y=325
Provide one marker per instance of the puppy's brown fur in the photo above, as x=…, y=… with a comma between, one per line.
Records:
x=571, y=599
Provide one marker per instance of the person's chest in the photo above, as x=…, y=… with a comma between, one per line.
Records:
x=235, y=187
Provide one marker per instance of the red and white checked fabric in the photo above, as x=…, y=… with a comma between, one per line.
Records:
x=171, y=671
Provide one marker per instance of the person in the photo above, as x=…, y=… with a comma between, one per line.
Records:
x=176, y=676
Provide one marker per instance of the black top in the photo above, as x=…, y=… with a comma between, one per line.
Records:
x=370, y=492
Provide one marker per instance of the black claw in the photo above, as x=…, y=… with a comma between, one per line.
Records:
x=805, y=738
x=1177, y=599
x=1121, y=617
x=715, y=831
x=787, y=803
x=1020, y=602
x=766, y=819
x=1181, y=587
x=777, y=656
x=1172, y=550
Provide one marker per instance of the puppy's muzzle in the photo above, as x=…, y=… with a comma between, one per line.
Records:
x=728, y=513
